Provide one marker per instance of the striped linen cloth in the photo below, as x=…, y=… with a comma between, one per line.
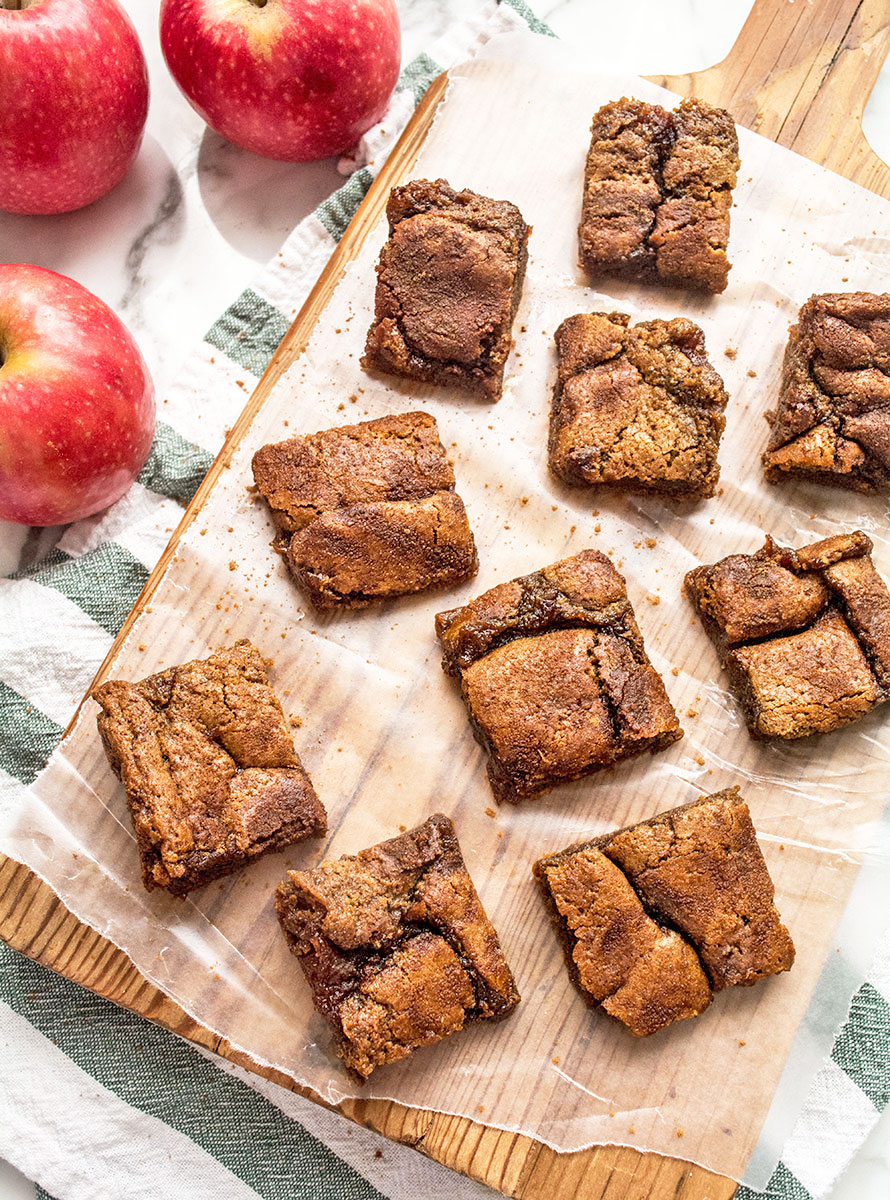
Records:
x=97, y=1102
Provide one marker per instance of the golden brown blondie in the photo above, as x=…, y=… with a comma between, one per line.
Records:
x=367, y=512
x=555, y=676
x=209, y=766
x=395, y=945
x=448, y=285
x=658, y=191
x=804, y=634
x=636, y=407
x=832, y=424
x=655, y=916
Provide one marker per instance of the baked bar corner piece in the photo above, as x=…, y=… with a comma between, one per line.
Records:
x=658, y=191
x=449, y=280
x=555, y=676
x=212, y=778
x=395, y=945
x=636, y=407
x=832, y=423
x=367, y=512
x=804, y=634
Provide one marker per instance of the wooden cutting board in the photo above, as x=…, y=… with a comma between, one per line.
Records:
x=799, y=73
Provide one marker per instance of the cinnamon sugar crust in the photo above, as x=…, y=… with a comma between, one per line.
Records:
x=804, y=634
x=658, y=191
x=638, y=407
x=832, y=424
x=395, y=945
x=448, y=285
x=555, y=676
x=367, y=512
x=210, y=770
x=655, y=916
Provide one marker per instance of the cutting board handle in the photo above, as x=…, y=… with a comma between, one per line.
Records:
x=801, y=72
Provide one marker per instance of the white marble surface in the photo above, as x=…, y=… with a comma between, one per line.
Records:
x=196, y=218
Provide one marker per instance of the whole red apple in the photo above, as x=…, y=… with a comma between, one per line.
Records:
x=73, y=102
x=77, y=409
x=288, y=79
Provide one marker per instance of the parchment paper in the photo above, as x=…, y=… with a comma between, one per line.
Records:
x=384, y=733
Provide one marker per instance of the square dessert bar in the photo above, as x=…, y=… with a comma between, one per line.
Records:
x=804, y=634
x=448, y=285
x=555, y=676
x=636, y=407
x=832, y=424
x=395, y=945
x=367, y=512
x=657, y=193
x=655, y=916
x=210, y=769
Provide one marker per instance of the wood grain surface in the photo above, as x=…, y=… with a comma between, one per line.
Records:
x=799, y=73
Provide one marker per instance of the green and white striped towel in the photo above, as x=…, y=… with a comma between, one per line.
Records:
x=98, y=1102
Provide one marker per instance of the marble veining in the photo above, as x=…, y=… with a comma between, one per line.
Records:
x=165, y=226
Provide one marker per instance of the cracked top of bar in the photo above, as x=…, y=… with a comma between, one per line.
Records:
x=636, y=407
x=209, y=766
x=804, y=634
x=699, y=867
x=582, y=590
x=395, y=945
x=367, y=511
x=642, y=973
x=658, y=191
x=396, y=457
x=555, y=676
x=448, y=284
x=697, y=875
x=832, y=423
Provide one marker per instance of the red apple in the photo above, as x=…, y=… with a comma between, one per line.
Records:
x=77, y=409
x=289, y=79
x=73, y=102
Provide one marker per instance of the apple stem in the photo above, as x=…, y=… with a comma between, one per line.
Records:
x=13, y=4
